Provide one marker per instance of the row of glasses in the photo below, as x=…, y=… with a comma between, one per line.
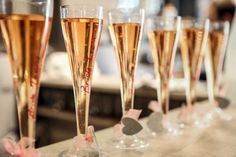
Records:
x=203, y=40
x=198, y=40
x=26, y=33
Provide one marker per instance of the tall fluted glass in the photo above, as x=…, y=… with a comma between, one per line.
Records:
x=219, y=32
x=26, y=26
x=218, y=37
x=126, y=29
x=193, y=44
x=163, y=33
x=82, y=28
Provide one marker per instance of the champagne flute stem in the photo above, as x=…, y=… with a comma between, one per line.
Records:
x=190, y=93
x=127, y=95
x=186, y=68
x=163, y=98
x=192, y=90
x=82, y=99
x=27, y=109
x=163, y=95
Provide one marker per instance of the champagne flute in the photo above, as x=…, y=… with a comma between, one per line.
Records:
x=126, y=29
x=218, y=37
x=219, y=32
x=82, y=28
x=26, y=26
x=163, y=33
x=193, y=42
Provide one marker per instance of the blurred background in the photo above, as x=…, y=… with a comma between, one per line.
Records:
x=56, y=117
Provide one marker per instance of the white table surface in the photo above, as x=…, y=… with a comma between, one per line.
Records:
x=217, y=140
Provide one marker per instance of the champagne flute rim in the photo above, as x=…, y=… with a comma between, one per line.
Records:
x=218, y=24
x=194, y=20
x=76, y=11
x=125, y=11
x=164, y=22
x=79, y=6
x=221, y=26
x=138, y=13
x=40, y=2
x=157, y=17
x=196, y=23
x=43, y=7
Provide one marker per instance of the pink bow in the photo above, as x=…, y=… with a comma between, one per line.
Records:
x=19, y=149
x=82, y=141
x=87, y=139
x=89, y=135
x=133, y=113
x=154, y=106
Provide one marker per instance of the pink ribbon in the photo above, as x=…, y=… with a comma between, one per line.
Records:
x=133, y=113
x=82, y=141
x=154, y=106
x=19, y=149
x=89, y=135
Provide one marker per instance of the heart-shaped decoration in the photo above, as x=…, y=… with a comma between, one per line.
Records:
x=131, y=126
x=154, y=122
x=223, y=102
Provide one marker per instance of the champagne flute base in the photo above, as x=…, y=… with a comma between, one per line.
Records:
x=193, y=119
x=84, y=145
x=164, y=127
x=195, y=116
x=129, y=142
x=172, y=129
x=217, y=113
x=88, y=152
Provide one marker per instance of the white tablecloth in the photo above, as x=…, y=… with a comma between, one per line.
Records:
x=218, y=140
